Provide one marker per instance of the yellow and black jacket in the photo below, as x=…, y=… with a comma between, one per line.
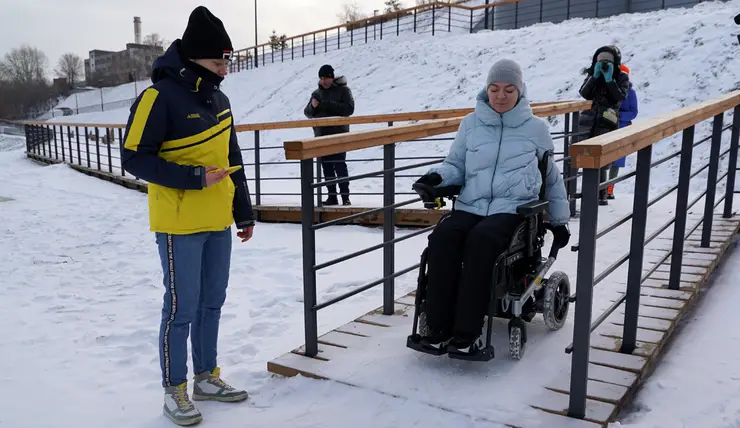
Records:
x=177, y=127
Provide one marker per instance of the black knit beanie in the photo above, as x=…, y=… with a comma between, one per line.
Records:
x=326, y=71
x=205, y=37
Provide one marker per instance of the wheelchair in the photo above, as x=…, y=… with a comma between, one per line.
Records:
x=519, y=288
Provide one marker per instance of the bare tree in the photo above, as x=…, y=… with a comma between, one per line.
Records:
x=392, y=6
x=24, y=65
x=423, y=2
x=155, y=39
x=70, y=66
x=351, y=12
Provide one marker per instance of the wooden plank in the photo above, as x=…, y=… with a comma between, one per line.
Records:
x=555, y=402
x=407, y=300
x=596, y=390
x=685, y=277
x=290, y=364
x=614, y=344
x=361, y=329
x=643, y=335
x=344, y=340
x=612, y=375
x=659, y=302
x=617, y=360
x=694, y=270
x=655, y=312
x=550, y=420
x=326, y=352
x=642, y=322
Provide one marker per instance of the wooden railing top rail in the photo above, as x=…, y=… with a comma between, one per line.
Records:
x=324, y=146
x=389, y=15
x=309, y=123
x=602, y=150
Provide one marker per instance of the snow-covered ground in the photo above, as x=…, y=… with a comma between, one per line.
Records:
x=697, y=383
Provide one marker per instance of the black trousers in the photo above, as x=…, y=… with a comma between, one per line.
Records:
x=334, y=166
x=461, y=255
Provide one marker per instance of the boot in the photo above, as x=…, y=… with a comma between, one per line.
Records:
x=610, y=192
x=331, y=201
x=209, y=386
x=178, y=408
x=345, y=200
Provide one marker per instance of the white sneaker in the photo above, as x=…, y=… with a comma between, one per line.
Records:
x=209, y=386
x=178, y=407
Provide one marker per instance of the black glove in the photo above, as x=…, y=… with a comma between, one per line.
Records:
x=432, y=179
x=561, y=235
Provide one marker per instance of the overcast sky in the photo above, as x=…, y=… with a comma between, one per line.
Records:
x=79, y=26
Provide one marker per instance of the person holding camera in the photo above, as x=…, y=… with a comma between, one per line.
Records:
x=606, y=85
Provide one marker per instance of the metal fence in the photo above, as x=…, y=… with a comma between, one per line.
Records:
x=272, y=179
x=588, y=236
x=389, y=173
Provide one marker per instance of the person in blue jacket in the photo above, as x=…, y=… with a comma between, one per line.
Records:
x=627, y=113
x=495, y=158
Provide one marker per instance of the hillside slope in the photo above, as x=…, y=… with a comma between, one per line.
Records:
x=677, y=57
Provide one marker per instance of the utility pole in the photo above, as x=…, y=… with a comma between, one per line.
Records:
x=256, y=60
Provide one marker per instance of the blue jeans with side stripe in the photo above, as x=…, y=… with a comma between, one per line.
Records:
x=196, y=273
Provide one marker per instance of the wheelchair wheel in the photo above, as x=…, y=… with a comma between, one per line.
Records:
x=517, y=338
x=556, y=300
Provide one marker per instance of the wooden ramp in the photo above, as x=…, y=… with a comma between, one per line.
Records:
x=370, y=352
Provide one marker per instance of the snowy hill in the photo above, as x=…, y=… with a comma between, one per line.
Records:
x=677, y=57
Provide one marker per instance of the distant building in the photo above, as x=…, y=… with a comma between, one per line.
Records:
x=109, y=68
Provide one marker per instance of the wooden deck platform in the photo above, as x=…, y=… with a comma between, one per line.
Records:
x=349, y=354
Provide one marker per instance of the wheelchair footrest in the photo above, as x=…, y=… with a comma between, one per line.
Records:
x=414, y=342
x=485, y=354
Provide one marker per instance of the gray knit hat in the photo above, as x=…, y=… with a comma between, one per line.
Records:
x=506, y=70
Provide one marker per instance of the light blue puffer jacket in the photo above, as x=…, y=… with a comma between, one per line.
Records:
x=495, y=157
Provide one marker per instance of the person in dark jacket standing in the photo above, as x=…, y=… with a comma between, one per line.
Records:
x=180, y=138
x=627, y=113
x=332, y=98
x=606, y=86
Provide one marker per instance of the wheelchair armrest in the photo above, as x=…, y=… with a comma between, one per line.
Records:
x=532, y=208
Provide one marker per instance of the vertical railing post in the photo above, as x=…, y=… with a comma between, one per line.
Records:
x=584, y=293
x=257, y=170
x=732, y=163
x=398, y=24
x=706, y=228
x=415, y=20
x=309, y=259
x=97, y=146
x=637, y=248
x=319, y=202
x=107, y=143
x=682, y=204
x=449, y=19
x=326, y=41
x=28, y=138
x=486, y=13
x=87, y=146
x=471, y=22
x=79, y=149
x=573, y=184
x=339, y=38
x=566, y=155
x=61, y=141
x=434, y=12
x=389, y=224
x=120, y=142
x=69, y=141
x=56, y=148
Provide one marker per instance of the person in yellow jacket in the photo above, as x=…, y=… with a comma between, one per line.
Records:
x=180, y=138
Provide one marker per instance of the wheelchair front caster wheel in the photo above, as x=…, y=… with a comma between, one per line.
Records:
x=517, y=338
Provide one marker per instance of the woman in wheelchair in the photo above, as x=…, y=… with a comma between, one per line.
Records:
x=495, y=159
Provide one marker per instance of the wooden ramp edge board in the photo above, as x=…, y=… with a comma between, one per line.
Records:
x=614, y=377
